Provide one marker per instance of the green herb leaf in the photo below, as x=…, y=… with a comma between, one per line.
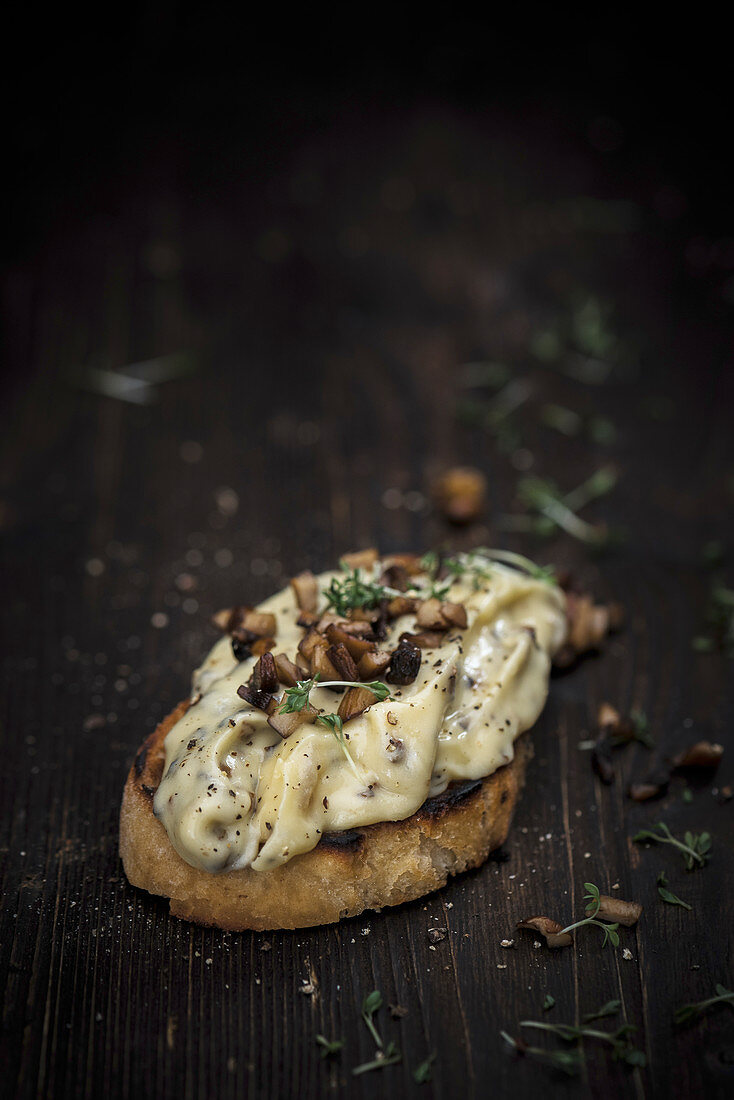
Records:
x=329, y=1046
x=422, y=1073
x=370, y=1005
x=619, y=1040
x=568, y=1061
x=667, y=895
x=548, y=1002
x=593, y=899
x=611, y=1008
x=694, y=849
x=389, y=1057
x=689, y=1011
x=353, y=591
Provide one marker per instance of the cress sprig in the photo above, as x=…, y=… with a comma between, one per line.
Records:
x=688, y=1012
x=297, y=698
x=594, y=903
x=695, y=848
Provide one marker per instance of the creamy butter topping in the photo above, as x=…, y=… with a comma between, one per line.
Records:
x=234, y=794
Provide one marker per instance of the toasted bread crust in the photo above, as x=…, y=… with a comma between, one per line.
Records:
x=366, y=868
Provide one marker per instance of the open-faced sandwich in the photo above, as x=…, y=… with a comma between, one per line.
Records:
x=348, y=744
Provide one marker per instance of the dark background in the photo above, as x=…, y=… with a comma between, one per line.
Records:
x=309, y=228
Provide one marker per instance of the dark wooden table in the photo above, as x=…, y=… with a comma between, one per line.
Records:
x=308, y=305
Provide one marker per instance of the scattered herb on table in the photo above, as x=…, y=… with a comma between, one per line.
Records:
x=548, y=1002
x=329, y=1046
x=619, y=1040
x=568, y=1061
x=720, y=619
x=388, y=1057
x=593, y=897
x=695, y=848
x=690, y=1011
x=560, y=510
x=370, y=1005
x=668, y=895
x=422, y=1073
x=611, y=1008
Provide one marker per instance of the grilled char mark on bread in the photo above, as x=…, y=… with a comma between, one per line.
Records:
x=366, y=868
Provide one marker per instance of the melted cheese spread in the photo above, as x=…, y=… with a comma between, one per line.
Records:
x=234, y=794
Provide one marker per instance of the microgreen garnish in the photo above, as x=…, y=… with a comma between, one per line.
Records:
x=548, y=1002
x=370, y=1005
x=329, y=1046
x=385, y=1056
x=688, y=1012
x=561, y=418
x=335, y=724
x=297, y=698
x=353, y=591
x=568, y=1061
x=594, y=904
x=611, y=1008
x=619, y=1040
x=422, y=1073
x=560, y=511
x=667, y=895
x=720, y=616
x=695, y=848
x=388, y=1057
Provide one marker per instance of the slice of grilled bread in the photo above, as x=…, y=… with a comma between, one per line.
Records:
x=346, y=873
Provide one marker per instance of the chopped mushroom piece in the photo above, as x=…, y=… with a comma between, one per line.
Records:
x=262, y=645
x=242, y=643
x=411, y=563
x=321, y=664
x=454, y=614
x=226, y=619
x=264, y=676
x=608, y=717
x=588, y=625
x=432, y=614
x=286, y=724
x=361, y=559
x=615, y=909
x=704, y=754
x=400, y=605
x=550, y=929
x=460, y=494
x=355, y=645
x=342, y=661
x=306, y=590
x=262, y=700
x=354, y=702
x=372, y=665
x=429, y=615
x=288, y=673
x=652, y=787
x=601, y=759
x=395, y=576
x=308, y=643
x=307, y=619
x=259, y=623
x=404, y=664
